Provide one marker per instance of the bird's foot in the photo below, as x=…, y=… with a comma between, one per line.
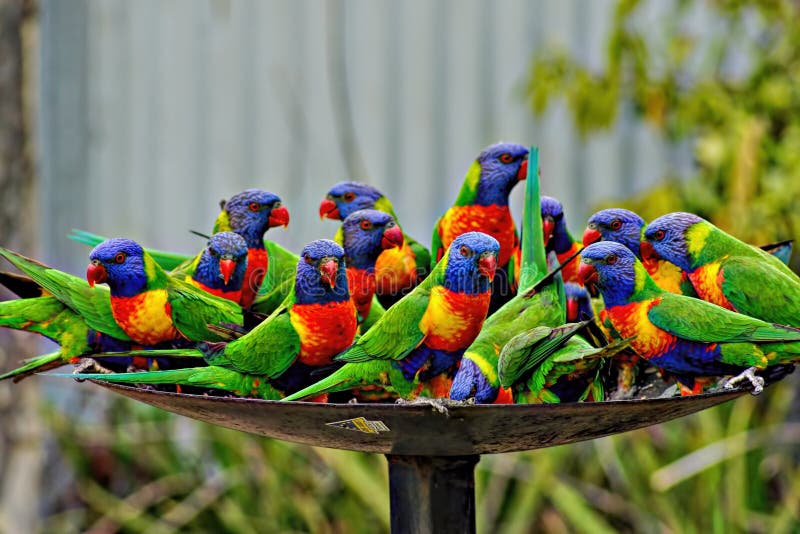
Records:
x=89, y=364
x=748, y=374
x=439, y=405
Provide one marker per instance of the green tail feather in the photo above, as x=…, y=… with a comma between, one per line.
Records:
x=38, y=364
x=156, y=353
x=353, y=375
x=534, y=261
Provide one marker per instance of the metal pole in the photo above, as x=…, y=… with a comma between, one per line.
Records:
x=432, y=494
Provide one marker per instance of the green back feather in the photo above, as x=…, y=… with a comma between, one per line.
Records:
x=469, y=188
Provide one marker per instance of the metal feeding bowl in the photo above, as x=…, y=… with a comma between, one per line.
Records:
x=431, y=451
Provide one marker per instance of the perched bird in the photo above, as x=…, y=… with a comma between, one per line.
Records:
x=40, y=312
x=558, y=239
x=315, y=322
x=222, y=266
x=250, y=214
x=397, y=270
x=365, y=235
x=724, y=270
x=482, y=205
x=551, y=365
x=627, y=228
x=150, y=306
x=578, y=303
x=425, y=333
x=539, y=302
x=685, y=336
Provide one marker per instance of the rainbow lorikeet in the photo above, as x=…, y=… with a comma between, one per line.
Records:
x=39, y=312
x=222, y=266
x=365, y=235
x=482, y=205
x=539, y=302
x=558, y=239
x=578, y=303
x=397, y=270
x=316, y=321
x=685, y=336
x=150, y=306
x=420, y=340
x=724, y=270
x=551, y=365
x=627, y=228
x=250, y=214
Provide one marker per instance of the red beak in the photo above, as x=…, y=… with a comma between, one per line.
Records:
x=226, y=267
x=328, y=209
x=572, y=311
x=327, y=271
x=591, y=235
x=392, y=237
x=487, y=265
x=279, y=217
x=522, y=173
x=96, y=274
x=587, y=274
x=547, y=228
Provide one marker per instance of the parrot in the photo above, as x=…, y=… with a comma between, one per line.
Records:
x=578, y=303
x=482, y=205
x=627, y=228
x=558, y=239
x=366, y=234
x=724, y=270
x=222, y=265
x=150, y=306
x=539, y=302
x=552, y=365
x=422, y=336
x=687, y=337
x=250, y=214
x=316, y=321
x=40, y=312
x=398, y=270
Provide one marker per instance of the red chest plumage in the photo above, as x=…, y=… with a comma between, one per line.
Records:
x=452, y=320
x=257, y=263
x=146, y=318
x=362, y=289
x=325, y=330
x=493, y=220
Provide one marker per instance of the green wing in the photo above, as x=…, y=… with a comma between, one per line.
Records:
x=92, y=303
x=397, y=332
x=527, y=350
x=282, y=266
x=697, y=320
x=168, y=260
x=437, y=248
x=267, y=350
x=756, y=289
x=193, y=309
x=422, y=257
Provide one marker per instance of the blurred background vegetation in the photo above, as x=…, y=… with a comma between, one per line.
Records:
x=731, y=94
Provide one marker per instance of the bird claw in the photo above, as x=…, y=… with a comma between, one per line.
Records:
x=85, y=364
x=750, y=375
x=439, y=405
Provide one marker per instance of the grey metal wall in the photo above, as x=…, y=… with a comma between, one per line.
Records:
x=151, y=111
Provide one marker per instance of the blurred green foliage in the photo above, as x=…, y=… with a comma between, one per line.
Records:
x=728, y=86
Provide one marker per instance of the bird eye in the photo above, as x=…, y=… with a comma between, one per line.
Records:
x=349, y=196
x=659, y=235
x=254, y=206
x=611, y=259
x=366, y=224
x=506, y=158
x=120, y=257
x=616, y=224
x=308, y=260
x=212, y=251
x=465, y=251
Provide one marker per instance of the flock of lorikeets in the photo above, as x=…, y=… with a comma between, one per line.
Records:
x=373, y=315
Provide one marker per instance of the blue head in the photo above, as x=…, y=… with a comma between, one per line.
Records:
x=223, y=262
x=612, y=268
x=579, y=303
x=321, y=275
x=251, y=213
x=615, y=224
x=668, y=236
x=554, y=227
x=502, y=166
x=121, y=264
x=346, y=197
x=471, y=263
x=366, y=234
